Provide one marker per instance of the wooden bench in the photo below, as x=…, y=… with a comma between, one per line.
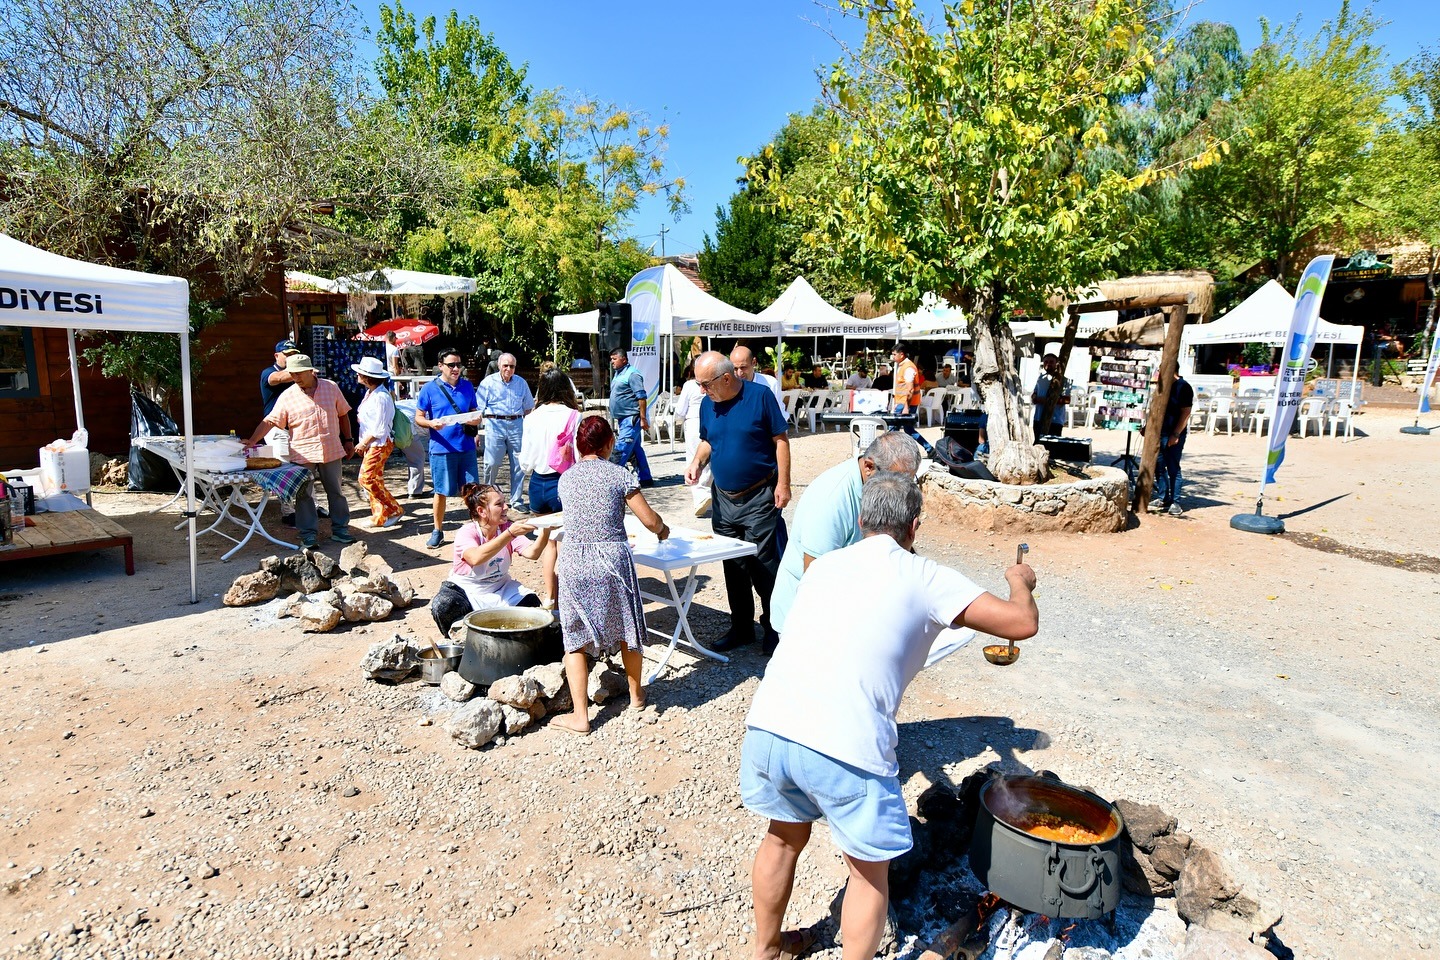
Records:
x=74, y=531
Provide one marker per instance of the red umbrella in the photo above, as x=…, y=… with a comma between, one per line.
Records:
x=408, y=331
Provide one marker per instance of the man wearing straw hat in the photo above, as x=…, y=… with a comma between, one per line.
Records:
x=318, y=417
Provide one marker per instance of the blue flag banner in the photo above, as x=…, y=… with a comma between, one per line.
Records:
x=643, y=293
x=1430, y=373
x=1300, y=340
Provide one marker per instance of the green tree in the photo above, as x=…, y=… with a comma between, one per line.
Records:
x=961, y=168
x=1300, y=133
x=207, y=141
x=765, y=239
x=547, y=181
x=1403, y=195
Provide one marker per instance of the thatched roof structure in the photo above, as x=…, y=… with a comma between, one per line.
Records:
x=864, y=307
x=1198, y=285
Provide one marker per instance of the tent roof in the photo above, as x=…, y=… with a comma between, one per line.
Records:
x=390, y=282
x=685, y=308
x=588, y=322
x=299, y=280
x=800, y=310
x=47, y=288
x=1264, y=317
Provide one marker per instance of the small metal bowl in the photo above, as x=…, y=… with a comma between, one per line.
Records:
x=433, y=669
x=1002, y=654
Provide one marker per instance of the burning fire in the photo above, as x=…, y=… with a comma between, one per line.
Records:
x=988, y=904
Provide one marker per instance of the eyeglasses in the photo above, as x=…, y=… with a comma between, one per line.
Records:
x=705, y=384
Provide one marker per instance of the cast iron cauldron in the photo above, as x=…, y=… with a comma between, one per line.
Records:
x=504, y=641
x=1050, y=877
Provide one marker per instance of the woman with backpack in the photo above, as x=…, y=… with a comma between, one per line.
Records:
x=377, y=418
x=547, y=449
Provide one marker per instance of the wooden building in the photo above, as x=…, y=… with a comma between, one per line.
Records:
x=37, y=398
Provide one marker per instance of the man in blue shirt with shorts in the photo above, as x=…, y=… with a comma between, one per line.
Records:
x=452, y=447
x=743, y=438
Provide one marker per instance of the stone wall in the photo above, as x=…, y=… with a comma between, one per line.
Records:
x=1097, y=504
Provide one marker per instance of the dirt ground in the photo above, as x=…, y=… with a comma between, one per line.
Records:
x=177, y=775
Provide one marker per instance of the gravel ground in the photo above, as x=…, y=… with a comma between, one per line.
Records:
x=179, y=778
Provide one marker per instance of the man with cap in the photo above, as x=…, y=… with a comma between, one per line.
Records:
x=317, y=416
x=275, y=380
x=452, y=446
x=505, y=399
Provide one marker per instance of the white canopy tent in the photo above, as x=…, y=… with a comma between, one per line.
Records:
x=303, y=279
x=390, y=282
x=1264, y=317
x=59, y=293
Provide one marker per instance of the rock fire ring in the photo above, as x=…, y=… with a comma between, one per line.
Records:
x=1097, y=503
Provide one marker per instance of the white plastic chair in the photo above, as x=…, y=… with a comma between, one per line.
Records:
x=863, y=431
x=790, y=398
x=1260, y=415
x=932, y=405
x=1221, y=408
x=1312, y=410
x=1341, y=410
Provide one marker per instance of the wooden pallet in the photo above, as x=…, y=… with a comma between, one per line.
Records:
x=74, y=531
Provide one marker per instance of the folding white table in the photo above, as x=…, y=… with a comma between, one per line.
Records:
x=683, y=549
x=220, y=492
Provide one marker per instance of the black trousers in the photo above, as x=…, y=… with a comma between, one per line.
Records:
x=754, y=519
x=450, y=604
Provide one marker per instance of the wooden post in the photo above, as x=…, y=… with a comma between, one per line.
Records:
x=1169, y=364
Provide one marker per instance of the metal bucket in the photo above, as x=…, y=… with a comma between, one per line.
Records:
x=433, y=669
x=504, y=641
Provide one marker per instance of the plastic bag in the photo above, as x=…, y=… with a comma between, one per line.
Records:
x=150, y=471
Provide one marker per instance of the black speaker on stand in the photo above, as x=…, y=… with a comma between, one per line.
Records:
x=614, y=326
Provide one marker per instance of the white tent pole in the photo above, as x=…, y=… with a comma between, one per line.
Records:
x=75, y=379
x=189, y=457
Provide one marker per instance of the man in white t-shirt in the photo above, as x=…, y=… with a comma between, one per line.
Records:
x=744, y=360
x=820, y=737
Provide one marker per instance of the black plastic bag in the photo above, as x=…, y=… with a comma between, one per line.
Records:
x=150, y=471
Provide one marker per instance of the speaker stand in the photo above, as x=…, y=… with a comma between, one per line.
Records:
x=1130, y=462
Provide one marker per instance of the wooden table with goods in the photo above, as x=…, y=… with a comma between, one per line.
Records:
x=74, y=531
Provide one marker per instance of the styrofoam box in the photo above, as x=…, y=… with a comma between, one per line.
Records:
x=67, y=470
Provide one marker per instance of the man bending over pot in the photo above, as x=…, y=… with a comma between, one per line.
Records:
x=820, y=737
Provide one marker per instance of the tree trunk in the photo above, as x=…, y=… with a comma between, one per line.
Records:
x=1014, y=456
x=1434, y=290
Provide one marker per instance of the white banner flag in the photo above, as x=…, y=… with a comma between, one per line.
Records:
x=1301, y=338
x=643, y=295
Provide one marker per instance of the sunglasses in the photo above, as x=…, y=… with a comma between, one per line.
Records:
x=453, y=366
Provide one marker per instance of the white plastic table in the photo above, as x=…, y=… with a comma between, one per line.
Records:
x=220, y=492
x=683, y=549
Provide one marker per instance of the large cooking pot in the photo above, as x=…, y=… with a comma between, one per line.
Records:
x=503, y=641
x=1047, y=847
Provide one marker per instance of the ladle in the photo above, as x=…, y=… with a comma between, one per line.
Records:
x=1002, y=654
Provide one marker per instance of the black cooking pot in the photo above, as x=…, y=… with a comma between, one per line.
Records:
x=504, y=641
x=1053, y=877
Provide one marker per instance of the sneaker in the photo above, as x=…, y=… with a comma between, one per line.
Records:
x=437, y=537
x=982, y=450
x=308, y=542
x=703, y=508
x=1175, y=510
x=342, y=536
x=393, y=521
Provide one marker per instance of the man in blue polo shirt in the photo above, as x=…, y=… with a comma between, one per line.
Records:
x=627, y=408
x=827, y=517
x=505, y=399
x=743, y=438
x=452, y=448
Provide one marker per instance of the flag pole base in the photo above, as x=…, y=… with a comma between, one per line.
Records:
x=1417, y=429
x=1257, y=523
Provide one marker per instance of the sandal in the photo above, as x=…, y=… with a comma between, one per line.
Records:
x=796, y=943
x=557, y=722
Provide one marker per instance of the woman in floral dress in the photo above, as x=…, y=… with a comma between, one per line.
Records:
x=600, y=606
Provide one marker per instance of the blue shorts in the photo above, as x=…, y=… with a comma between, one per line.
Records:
x=451, y=471
x=784, y=781
x=545, y=492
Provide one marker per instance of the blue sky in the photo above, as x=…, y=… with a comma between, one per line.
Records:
x=725, y=75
